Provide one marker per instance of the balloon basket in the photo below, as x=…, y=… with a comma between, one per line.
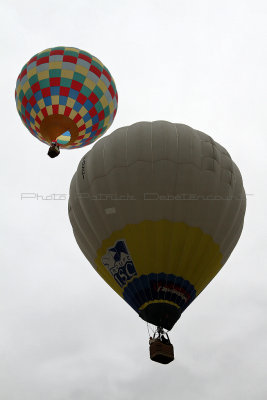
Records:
x=53, y=150
x=161, y=352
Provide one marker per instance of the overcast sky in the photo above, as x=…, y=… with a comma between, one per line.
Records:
x=198, y=62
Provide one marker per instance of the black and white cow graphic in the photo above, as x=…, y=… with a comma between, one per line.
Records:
x=119, y=263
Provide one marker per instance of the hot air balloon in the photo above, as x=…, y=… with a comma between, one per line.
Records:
x=66, y=98
x=157, y=208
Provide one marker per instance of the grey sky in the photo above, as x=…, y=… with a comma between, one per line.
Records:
x=64, y=334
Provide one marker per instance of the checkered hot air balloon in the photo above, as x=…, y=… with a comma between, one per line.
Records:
x=66, y=97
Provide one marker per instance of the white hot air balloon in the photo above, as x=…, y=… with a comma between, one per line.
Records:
x=157, y=209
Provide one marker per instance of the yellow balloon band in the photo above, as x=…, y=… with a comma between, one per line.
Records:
x=167, y=247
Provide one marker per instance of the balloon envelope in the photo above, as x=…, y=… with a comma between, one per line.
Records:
x=64, y=89
x=157, y=209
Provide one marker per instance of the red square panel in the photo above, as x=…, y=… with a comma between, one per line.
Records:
x=67, y=111
x=82, y=128
x=57, y=53
x=81, y=98
x=86, y=58
x=24, y=101
x=32, y=101
x=70, y=59
x=95, y=127
x=36, y=87
x=101, y=115
x=76, y=85
x=64, y=91
x=44, y=112
x=111, y=91
x=92, y=112
x=42, y=60
x=93, y=98
x=37, y=119
x=77, y=118
x=55, y=108
x=54, y=81
x=46, y=92
x=95, y=70
x=23, y=73
x=107, y=75
x=32, y=60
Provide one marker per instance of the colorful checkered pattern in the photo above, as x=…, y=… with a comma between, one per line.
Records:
x=64, y=138
x=71, y=82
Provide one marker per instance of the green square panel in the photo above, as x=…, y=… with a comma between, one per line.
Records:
x=98, y=92
x=71, y=53
x=45, y=54
x=44, y=83
x=59, y=48
x=98, y=107
x=33, y=79
x=21, y=95
x=101, y=124
x=78, y=77
x=55, y=73
x=86, y=91
x=107, y=111
x=65, y=82
x=29, y=94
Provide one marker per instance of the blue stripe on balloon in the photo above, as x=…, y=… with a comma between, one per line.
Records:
x=63, y=100
x=87, y=117
x=38, y=95
x=88, y=105
x=73, y=94
x=48, y=101
x=77, y=106
x=28, y=107
x=93, y=134
x=54, y=90
x=36, y=108
x=159, y=287
x=95, y=119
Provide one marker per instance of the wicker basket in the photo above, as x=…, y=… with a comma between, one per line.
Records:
x=161, y=352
